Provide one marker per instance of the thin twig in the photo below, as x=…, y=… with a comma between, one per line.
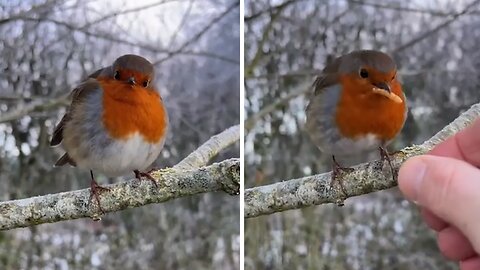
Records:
x=182, y=23
x=210, y=149
x=270, y=10
x=24, y=109
x=435, y=29
x=365, y=178
x=436, y=13
x=297, y=91
x=197, y=36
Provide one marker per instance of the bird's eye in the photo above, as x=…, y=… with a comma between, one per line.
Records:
x=116, y=75
x=394, y=76
x=146, y=83
x=363, y=73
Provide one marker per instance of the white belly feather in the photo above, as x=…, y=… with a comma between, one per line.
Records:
x=123, y=156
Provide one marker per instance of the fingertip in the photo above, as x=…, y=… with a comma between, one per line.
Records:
x=454, y=245
x=470, y=264
x=410, y=176
x=432, y=220
x=448, y=188
x=465, y=145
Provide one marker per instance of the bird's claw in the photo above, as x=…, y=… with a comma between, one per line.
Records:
x=139, y=175
x=385, y=156
x=336, y=171
x=95, y=191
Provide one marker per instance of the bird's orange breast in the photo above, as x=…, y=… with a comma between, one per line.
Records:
x=361, y=112
x=128, y=110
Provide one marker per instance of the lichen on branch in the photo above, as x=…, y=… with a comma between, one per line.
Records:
x=364, y=179
x=172, y=183
x=190, y=176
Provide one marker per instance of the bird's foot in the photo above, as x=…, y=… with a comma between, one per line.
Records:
x=385, y=156
x=95, y=191
x=336, y=171
x=139, y=175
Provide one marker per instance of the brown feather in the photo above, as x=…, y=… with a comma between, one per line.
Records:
x=58, y=132
x=96, y=73
x=65, y=159
x=328, y=77
x=323, y=81
x=77, y=95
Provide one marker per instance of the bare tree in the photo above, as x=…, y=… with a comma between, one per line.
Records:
x=47, y=47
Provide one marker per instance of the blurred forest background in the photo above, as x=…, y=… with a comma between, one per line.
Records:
x=47, y=47
x=436, y=46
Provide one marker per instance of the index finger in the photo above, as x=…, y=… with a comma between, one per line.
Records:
x=465, y=145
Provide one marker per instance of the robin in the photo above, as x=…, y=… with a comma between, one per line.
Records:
x=116, y=122
x=357, y=106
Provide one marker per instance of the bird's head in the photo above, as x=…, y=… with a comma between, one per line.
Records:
x=371, y=72
x=132, y=70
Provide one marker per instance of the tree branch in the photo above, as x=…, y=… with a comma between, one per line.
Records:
x=198, y=35
x=434, y=30
x=210, y=149
x=84, y=29
x=188, y=177
x=24, y=109
x=298, y=91
x=259, y=54
x=32, y=9
x=400, y=8
x=172, y=184
x=197, y=53
x=365, y=178
x=272, y=9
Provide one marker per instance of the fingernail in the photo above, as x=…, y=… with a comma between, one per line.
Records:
x=411, y=177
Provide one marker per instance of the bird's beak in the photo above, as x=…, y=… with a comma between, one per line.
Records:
x=383, y=85
x=384, y=89
x=131, y=81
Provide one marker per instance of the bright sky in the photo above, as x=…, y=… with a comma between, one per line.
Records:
x=157, y=23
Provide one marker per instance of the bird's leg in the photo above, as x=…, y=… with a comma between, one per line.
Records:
x=336, y=170
x=95, y=190
x=139, y=175
x=385, y=156
x=153, y=169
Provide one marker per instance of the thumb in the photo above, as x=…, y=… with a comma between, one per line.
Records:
x=449, y=188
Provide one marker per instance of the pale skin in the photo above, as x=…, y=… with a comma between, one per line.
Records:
x=445, y=184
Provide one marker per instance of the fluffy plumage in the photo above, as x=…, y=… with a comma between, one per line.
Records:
x=344, y=115
x=113, y=126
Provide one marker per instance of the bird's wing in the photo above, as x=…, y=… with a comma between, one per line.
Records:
x=323, y=81
x=328, y=77
x=78, y=95
x=65, y=159
x=96, y=73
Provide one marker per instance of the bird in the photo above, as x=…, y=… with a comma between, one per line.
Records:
x=357, y=105
x=116, y=122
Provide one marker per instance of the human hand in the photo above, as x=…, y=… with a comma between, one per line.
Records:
x=446, y=185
